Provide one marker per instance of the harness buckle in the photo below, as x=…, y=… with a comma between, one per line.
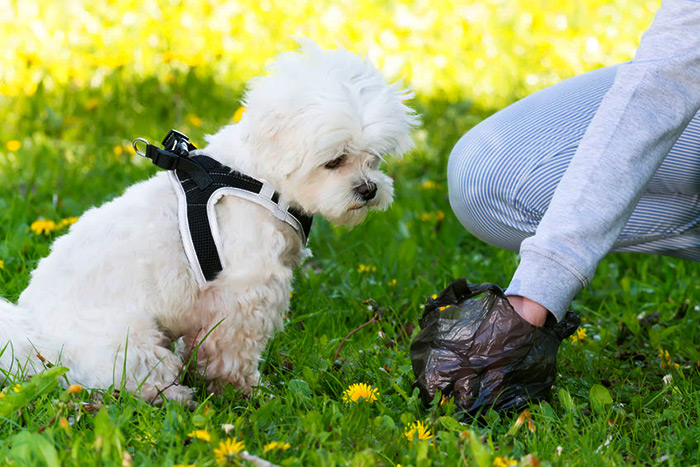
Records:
x=178, y=143
x=136, y=149
x=175, y=142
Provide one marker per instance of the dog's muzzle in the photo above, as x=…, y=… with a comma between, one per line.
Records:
x=367, y=190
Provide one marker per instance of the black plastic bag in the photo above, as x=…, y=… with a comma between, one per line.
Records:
x=474, y=347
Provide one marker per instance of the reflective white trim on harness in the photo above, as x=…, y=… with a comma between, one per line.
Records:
x=185, y=229
x=264, y=199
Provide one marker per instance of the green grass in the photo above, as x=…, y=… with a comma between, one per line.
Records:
x=68, y=163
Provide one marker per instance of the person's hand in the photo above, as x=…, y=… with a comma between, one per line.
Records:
x=532, y=312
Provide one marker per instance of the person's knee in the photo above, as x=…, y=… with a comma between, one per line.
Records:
x=479, y=192
x=472, y=181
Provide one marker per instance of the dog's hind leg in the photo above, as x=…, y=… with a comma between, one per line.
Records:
x=154, y=374
x=15, y=347
x=139, y=363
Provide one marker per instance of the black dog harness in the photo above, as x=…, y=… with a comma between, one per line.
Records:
x=199, y=183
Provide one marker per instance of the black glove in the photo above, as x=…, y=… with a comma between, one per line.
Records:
x=474, y=346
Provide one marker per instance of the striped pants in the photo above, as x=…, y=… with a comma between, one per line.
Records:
x=502, y=173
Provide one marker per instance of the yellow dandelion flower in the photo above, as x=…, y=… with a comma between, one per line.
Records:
x=193, y=120
x=523, y=418
x=392, y=283
x=276, y=445
x=67, y=221
x=444, y=307
x=444, y=400
x=239, y=114
x=228, y=449
x=30, y=87
x=43, y=226
x=17, y=387
x=2, y=394
x=118, y=150
x=438, y=216
x=361, y=391
x=2, y=264
x=13, y=145
x=579, y=335
x=666, y=362
x=504, y=462
x=75, y=388
x=168, y=56
x=115, y=61
x=71, y=120
x=92, y=104
x=194, y=60
x=417, y=429
x=429, y=185
x=366, y=268
x=63, y=422
x=200, y=434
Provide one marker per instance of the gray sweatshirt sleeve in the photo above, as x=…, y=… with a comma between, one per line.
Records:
x=652, y=100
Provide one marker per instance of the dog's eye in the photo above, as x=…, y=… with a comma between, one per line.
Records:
x=335, y=163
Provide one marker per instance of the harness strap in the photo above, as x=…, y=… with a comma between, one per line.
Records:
x=198, y=225
x=171, y=161
x=199, y=182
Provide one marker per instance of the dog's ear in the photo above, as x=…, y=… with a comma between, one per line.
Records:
x=388, y=120
x=286, y=163
x=270, y=138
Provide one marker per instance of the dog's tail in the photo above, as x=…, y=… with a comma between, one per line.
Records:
x=15, y=347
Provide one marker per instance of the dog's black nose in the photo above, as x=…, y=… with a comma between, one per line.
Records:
x=367, y=190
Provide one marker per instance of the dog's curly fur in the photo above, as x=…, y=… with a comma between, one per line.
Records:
x=117, y=289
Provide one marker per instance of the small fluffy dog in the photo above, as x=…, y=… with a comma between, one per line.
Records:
x=117, y=289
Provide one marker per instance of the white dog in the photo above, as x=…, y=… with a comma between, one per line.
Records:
x=118, y=289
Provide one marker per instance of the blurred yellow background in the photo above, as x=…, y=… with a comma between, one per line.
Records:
x=490, y=51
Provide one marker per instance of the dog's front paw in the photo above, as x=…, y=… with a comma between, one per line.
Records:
x=240, y=383
x=158, y=395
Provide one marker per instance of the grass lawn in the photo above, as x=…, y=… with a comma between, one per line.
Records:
x=610, y=404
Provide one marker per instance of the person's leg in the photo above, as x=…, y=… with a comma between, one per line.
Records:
x=502, y=174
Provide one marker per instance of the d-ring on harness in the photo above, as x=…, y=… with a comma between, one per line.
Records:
x=199, y=182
